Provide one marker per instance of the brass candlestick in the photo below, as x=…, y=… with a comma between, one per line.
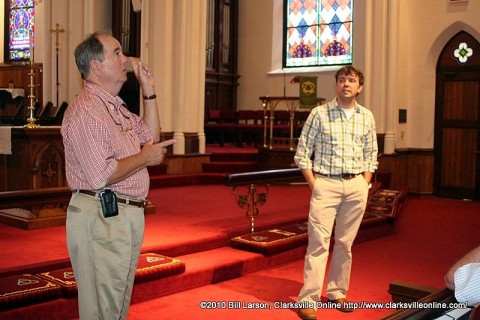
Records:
x=31, y=97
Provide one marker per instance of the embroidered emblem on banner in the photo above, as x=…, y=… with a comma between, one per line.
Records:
x=68, y=275
x=308, y=88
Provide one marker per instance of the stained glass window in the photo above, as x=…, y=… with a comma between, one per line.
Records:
x=20, y=26
x=318, y=33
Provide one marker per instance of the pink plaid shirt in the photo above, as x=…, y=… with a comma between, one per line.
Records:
x=98, y=131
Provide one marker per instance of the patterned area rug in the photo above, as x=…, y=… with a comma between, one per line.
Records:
x=24, y=289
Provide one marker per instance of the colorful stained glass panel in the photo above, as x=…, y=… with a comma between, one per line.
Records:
x=21, y=17
x=318, y=33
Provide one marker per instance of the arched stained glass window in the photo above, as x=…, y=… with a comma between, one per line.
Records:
x=19, y=27
x=318, y=33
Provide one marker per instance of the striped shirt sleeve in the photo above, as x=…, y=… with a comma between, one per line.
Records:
x=467, y=283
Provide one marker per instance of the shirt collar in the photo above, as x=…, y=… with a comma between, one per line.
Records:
x=335, y=105
x=104, y=95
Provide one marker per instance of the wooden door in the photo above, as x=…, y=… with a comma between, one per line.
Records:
x=457, y=119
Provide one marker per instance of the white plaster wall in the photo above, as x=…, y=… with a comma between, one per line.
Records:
x=421, y=41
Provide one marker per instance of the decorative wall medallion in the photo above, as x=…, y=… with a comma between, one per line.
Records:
x=463, y=52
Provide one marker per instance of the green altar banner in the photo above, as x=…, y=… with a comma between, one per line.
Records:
x=308, y=92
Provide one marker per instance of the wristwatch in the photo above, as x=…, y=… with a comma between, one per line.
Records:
x=153, y=96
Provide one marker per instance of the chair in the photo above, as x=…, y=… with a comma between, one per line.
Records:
x=281, y=123
x=22, y=113
x=45, y=110
x=219, y=123
x=58, y=118
x=51, y=115
x=299, y=121
x=251, y=126
x=5, y=97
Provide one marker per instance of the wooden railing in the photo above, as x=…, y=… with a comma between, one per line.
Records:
x=266, y=176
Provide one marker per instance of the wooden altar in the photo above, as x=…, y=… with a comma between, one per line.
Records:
x=34, y=190
x=36, y=161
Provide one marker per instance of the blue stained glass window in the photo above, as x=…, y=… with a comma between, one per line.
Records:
x=318, y=33
x=20, y=25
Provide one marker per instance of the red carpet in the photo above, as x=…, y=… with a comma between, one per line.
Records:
x=431, y=234
x=197, y=217
x=195, y=224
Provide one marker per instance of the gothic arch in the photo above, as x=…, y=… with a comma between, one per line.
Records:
x=457, y=118
x=446, y=35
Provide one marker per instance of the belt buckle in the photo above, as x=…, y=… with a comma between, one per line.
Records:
x=347, y=176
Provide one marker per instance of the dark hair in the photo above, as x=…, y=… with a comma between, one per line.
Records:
x=89, y=49
x=348, y=70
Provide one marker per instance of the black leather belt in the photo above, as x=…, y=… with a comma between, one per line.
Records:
x=137, y=203
x=343, y=176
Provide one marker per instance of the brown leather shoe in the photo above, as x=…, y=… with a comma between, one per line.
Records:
x=307, y=313
x=342, y=305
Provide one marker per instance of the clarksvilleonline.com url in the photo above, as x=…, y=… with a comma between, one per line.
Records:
x=328, y=305
x=392, y=305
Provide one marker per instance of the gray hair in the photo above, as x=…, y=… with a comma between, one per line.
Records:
x=89, y=49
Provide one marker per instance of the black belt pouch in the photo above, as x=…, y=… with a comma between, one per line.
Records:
x=108, y=199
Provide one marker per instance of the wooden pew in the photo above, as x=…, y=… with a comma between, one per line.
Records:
x=407, y=292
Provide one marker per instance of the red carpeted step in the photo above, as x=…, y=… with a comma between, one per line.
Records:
x=234, y=157
x=212, y=178
x=177, y=180
x=213, y=266
x=173, y=180
x=28, y=291
x=202, y=268
x=230, y=167
x=157, y=170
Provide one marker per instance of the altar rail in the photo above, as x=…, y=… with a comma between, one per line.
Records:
x=253, y=126
x=34, y=209
x=266, y=176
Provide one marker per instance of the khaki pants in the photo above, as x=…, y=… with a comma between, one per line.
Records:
x=104, y=253
x=342, y=202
